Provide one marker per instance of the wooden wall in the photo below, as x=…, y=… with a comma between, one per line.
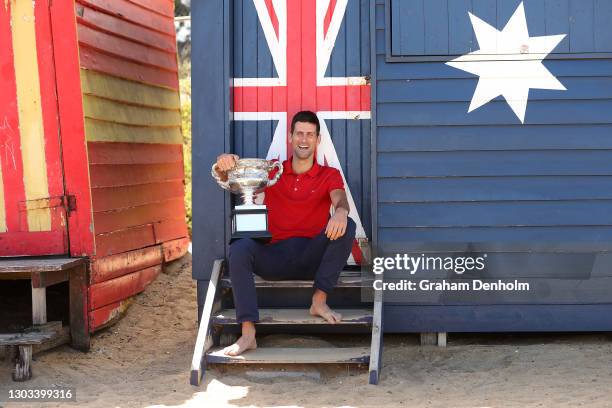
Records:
x=535, y=196
x=129, y=80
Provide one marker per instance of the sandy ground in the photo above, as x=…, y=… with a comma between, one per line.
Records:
x=144, y=360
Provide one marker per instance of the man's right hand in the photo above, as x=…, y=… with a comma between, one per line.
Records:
x=226, y=162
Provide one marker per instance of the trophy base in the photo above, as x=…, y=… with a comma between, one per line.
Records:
x=250, y=221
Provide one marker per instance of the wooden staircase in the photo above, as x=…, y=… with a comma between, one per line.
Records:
x=218, y=327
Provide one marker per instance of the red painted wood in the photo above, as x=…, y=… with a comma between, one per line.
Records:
x=112, y=198
x=126, y=49
x=110, y=267
x=46, y=73
x=20, y=243
x=131, y=12
x=168, y=230
x=113, y=25
x=109, y=221
x=273, y=16
x=103, y=175
x=114, y=290
x=100, y=317
x=326, y=98
x=10, y=148
x=328, y=15
x=125, y=240
x=72, y=128
x=133, y=153
x=162, y=7
x=98, y=61
x=175, y=249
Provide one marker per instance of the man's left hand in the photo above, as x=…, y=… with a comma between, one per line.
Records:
x=336, y=226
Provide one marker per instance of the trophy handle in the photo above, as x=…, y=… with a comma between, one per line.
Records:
x=279, y=166
x=223, y=184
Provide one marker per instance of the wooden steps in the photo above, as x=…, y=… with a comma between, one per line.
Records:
x=302, y=355
x=347, y=279
x=212, y=336
x=295, y=316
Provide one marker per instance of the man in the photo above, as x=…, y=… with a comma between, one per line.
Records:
x=306, y=242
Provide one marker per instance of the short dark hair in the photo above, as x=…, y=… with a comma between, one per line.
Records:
x=306, y=116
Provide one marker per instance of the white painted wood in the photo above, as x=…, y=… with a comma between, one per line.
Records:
x=442, y=339
x=282, y=355
x=297, y=316
x=39, y=305
x=429, y=339
x=376, y=342
x=202, y=345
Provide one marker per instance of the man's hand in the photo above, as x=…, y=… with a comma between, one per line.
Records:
x=336, y=226
x=226, y=161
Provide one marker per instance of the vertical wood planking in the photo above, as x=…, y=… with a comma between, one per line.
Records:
x=459, y=27
x=436, y=27
x=581, y=25
x=535, y=12
x=412, y=29
x=603, y=25
x=557, y=21
x=30, y=112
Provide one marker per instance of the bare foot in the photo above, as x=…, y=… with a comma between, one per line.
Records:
x=241, y=345
x=321, y=309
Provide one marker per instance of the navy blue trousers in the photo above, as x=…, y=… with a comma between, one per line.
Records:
x=318, y=258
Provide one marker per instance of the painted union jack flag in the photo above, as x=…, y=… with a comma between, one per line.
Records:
x=301, y=36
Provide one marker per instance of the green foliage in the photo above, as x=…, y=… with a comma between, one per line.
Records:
x=180, y=9
x=185, y=87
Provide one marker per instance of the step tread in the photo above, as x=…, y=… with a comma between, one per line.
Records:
x=297, y=317
x=283, y=355
x=347, y=279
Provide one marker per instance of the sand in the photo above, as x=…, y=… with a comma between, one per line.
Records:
x=144, y=360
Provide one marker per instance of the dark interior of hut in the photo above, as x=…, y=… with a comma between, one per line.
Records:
x=16, y=305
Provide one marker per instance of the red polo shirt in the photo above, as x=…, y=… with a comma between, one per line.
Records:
x=298, y=204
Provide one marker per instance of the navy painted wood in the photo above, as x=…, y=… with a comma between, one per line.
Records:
x=497, y=318
x=496, y=214
x=350, y=57
x=443, y=27
x=479, y=138
x=571, y=238
x=480, y=189
x=536, y=197
x=496, y=163
x=210, y=131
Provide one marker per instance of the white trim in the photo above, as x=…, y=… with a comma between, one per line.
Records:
x=277, y=45
x=326, y=151
x=244, y=82
x=341, y=81
x=356, y=115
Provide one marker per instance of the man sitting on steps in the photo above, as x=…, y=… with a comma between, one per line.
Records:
x=307, y=244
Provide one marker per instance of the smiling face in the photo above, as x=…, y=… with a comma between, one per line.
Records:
x=304, y=140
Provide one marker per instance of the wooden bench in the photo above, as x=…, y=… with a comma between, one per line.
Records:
x=44, y=272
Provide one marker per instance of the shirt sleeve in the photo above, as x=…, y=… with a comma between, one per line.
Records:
x=334, y=182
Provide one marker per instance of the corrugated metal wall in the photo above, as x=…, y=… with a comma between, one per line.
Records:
x=537, y=197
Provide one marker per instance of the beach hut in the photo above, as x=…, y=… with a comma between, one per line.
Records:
x=462, y=128
x=91, y=148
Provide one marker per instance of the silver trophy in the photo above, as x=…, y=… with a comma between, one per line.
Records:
x=247, y=178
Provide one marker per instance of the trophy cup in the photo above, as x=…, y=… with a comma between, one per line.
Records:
x=247, y=178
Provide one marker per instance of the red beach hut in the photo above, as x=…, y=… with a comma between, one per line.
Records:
x=91, y=158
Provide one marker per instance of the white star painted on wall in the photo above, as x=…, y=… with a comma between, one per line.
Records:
x=509, y=63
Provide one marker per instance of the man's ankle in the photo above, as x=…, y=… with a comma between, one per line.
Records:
x=248, y=329
x=319, y=297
